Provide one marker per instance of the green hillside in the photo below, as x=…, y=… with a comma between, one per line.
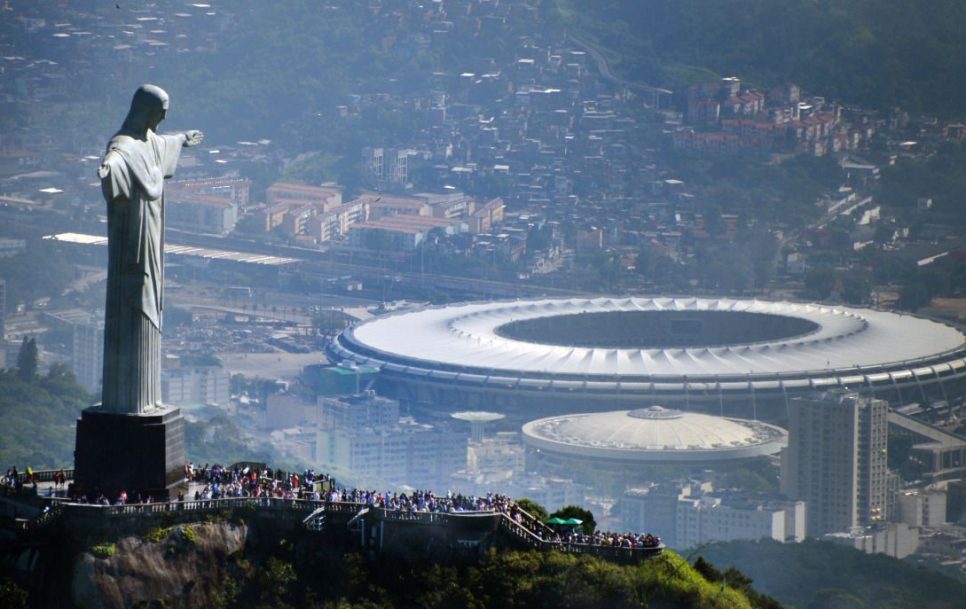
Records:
x=501, y=579
x=874, y=53
x=38, y=418
x=823, y=575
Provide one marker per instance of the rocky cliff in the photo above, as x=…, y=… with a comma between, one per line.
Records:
x=184, y=566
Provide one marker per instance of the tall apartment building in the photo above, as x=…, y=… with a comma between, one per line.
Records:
x=88, y=353
x=195, y=386
x=3, y=327
x=654, y=510
x=922, y=507
x=365, y=435
x=386, y=168
x=836, y=460
x=689, y=515
x=709, y=518
x=3, y=308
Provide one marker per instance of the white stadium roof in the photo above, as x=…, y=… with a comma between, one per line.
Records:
x=824, y=346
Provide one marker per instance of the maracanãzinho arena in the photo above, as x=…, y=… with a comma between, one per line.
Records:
x=727, y=356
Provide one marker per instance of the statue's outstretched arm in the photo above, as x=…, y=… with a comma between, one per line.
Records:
x=193, y=137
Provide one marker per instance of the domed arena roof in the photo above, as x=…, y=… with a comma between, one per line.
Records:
x=654, y=434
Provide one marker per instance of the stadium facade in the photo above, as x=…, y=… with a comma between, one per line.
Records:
x=741, y=357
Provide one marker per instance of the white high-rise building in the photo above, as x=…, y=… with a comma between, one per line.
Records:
x=836, y=460
x=685, y=516
x=195, y=386
x=3, y=306
x=3, y=327
x=365, y=435
x=922, y=507
x=709, y=518
x=88, y=353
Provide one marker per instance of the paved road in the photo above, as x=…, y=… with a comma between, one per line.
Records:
x=603, y=66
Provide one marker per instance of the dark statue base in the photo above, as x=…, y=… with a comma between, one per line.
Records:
x=137, y=453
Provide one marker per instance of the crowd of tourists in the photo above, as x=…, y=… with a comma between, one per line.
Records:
x=15, y=480
x=427, y=501
x=251, y=481
x=212, y=482
x=422, y=501
x=614, y=540
x=12, y=479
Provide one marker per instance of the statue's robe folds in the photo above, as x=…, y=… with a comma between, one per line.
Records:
x=132, y=181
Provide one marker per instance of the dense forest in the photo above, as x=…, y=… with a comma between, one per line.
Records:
x=866, y=52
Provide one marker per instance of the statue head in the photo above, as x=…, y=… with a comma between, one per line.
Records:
x=148, y=108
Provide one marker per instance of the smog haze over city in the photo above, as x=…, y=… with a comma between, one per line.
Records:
x=483, y=303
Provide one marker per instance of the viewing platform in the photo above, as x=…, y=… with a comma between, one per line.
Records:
x=35, y=512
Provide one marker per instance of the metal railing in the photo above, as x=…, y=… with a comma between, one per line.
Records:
x=527, y=536
x=524, y=531
x=45, y=475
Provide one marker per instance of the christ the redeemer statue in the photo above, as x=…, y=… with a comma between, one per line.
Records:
x=132, y=175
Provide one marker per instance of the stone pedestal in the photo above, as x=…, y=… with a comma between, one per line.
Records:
x=137, y=453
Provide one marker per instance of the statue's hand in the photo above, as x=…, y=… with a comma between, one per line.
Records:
x=193, y=137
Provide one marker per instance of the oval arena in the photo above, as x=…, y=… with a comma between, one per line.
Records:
x=744, y=357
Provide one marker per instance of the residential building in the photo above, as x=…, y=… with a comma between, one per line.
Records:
x=284, y=410
x=195, y=386
x=335, y=224
x=207, y=205
x=3, y=308
x=365, y=435
x=325, y=197
x=399, y=233
x=897, y=540
x=201, y=213
x=922, y=507
x=836, y=460
x=487, y=216
x=386, y=168
x=688, y=515
x=88, y=352
x=709, y=518
x=236, y=190
x=292, y=207
x=654, y=509
x=382, y=205
x=359, y=411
